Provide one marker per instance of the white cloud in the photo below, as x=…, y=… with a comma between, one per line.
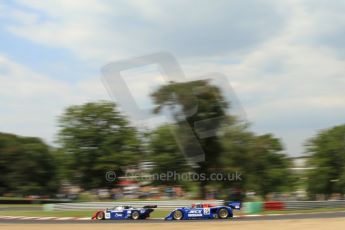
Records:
x=30, y=102
x=284, y=58
x=102, y=30
x=288, y=86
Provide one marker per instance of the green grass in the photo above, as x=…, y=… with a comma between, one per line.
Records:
x=155, y=214
x=12, y=198
x=159, y=213
x=20, y=205
x=48, y=213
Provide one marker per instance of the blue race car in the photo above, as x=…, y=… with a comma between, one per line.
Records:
x=204, y=211
x=124, y=213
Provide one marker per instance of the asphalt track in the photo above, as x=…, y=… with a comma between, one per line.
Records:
x=150, y=221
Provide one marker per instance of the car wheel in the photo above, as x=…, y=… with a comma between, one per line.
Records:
x=223, y=213
x=135, y=215
x=100, y=216
x=177, y=215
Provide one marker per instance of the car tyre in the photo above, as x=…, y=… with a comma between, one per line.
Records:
x=100, y=216
x=177, y=215
x=135, y=215
x=223, y=213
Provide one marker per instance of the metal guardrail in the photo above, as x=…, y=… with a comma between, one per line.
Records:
x=32, y=201
x=171, y=204
x=299, y=205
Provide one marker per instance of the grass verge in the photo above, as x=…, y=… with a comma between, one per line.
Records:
x=155, y=214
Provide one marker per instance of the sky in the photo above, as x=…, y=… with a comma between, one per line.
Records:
x=285, y=60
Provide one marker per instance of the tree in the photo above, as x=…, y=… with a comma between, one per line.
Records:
x=259, y=159
x=237, y=141
x=192, y=102
x=96, y=138
x=232, y=148
x=327, y=160
x=27, y=166
x=271, y=167
x=165, y=155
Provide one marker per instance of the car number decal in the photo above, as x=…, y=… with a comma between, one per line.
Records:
x=206, y=211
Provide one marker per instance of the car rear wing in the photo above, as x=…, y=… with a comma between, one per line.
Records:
x=234, y=205
x=150, y=206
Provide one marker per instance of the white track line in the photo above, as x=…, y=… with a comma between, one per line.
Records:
x=29, y=218
x=8, y=217
x=66, y=218
x=46, y=218
x=253, y=215
x=83, y=218
x=13, y=217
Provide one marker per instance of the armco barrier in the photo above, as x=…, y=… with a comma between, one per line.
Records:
x=171, y=204
x=248, y=207
x=300, y=205
x=31, y=201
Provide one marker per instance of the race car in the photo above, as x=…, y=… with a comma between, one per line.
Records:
x=204, y=211
x=124, y=213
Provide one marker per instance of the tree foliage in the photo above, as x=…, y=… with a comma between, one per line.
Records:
x=259, y=159
x=166, y=155
x=327, y=158
x=96, y=138
x=27, y=166
x=193, y=102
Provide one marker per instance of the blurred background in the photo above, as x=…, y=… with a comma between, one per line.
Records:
x=64, y=140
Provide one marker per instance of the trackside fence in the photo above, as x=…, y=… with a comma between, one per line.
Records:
x=171, y=204
x=299, y=205
x=247, y=207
